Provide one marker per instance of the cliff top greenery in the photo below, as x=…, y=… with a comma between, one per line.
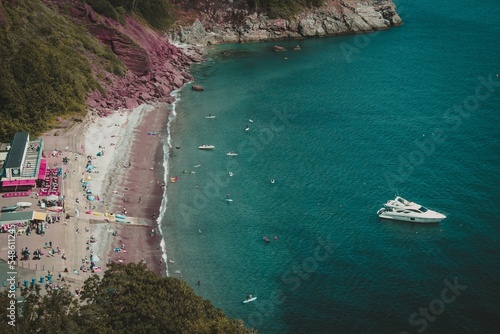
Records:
x=45, y=73
x=157, y=13
x=283, y=8
x=128, y=299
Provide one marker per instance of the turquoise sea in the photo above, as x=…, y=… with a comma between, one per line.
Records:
x=342, y=126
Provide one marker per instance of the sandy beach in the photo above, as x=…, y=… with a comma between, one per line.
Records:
x=125, y=177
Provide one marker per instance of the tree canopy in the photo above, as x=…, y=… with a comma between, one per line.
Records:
x=157, y=13
x=283, y=8
x=128, y=299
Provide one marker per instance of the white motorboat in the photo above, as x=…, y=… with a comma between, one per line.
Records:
x=401, y=209
x=210, y=116
x=232, y=154
x=206, y=147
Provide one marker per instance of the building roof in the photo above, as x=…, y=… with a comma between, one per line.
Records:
x=18, y=217
x=16, y=152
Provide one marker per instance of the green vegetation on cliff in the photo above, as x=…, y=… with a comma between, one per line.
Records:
x=283, y=8
x=128, y=299
x=158, y=13
x=273, y=8
x=45, y=73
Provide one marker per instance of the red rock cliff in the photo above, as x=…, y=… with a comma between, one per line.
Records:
x=155, y=67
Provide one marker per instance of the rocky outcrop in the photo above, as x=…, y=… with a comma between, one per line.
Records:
x=335, y=17
x=154, y=66
x=278, y=48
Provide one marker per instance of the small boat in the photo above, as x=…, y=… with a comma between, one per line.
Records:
x=231, y=174
x=272, y=180
x=210, y=116
x=229, y=200
x=174, y=179
x=153, y=133
x=206, y=147
x=401, y=209
x=249, y=299
x=265, y=239
x=247, y=128
x=232, y=154
x=250, y=120
x=196, y=166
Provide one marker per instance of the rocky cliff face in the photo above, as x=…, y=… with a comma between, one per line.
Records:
x=335, y=17
x=155, y=67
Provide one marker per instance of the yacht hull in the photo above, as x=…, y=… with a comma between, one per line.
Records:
x=411, y=219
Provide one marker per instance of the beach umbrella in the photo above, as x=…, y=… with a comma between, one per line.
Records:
x=52, y=198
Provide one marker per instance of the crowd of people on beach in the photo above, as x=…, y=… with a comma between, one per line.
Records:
x=47, y=250
x=51, y=186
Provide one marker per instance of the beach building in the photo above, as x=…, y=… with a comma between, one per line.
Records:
x=8, y=218
x=23, y=164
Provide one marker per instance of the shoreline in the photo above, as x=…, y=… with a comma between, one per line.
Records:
x=141, y=188
x=108, y=144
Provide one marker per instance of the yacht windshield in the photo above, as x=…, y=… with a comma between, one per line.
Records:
x=423, y=209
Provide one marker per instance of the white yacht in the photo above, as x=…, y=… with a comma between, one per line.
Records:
x=206, y=147
x=401, y=209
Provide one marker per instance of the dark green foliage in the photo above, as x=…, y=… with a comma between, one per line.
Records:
x=50, y=313
x=103, y=7
x=273, y=8
x=128, y=299
x=133, y=299
x=44, y=72
x=283, y=8
x=158, y=13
